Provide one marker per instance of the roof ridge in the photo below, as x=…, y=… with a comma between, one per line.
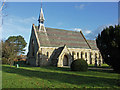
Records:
x=85, y=40
x=61, y=29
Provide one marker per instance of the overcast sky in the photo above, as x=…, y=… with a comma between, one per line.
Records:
x=89, y=17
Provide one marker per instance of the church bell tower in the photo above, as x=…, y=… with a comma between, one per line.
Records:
x=41, y=20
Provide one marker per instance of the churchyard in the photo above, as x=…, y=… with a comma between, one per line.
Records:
x=54, y=77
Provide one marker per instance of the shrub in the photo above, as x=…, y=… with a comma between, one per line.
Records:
x=20, y=63
x=79, y=65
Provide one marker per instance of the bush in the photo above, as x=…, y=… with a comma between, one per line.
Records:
x=79, y=65
x=20, y=63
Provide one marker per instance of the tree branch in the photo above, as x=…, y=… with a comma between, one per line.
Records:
x=2, y=5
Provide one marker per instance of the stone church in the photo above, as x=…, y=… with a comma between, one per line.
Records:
x=58, y=47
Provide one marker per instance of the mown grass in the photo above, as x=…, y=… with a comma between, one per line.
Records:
x=102, y=66
x=54, y=77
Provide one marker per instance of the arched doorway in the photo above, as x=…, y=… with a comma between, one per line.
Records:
x=65, y=61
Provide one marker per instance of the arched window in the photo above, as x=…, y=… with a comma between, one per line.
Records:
x=90, y=57
x=81, y=55
x=95, y=55
x=42, y=28
x=73, y=55
x=96, y=59
x=78, y=55
x=47, y=54
x=85, y=55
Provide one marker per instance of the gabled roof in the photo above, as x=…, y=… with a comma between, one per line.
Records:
x=57, y=52
x=55, y=55
x=59, y=37
x=92, y=44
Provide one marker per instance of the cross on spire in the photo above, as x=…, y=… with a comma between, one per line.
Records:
x=41, y=3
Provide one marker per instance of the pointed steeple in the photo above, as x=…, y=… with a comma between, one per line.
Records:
x=41, y=20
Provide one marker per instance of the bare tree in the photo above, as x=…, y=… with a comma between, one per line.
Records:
x=2, y=8
x=2, y=5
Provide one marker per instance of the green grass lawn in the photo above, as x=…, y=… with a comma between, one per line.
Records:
x=102, y=66
x=53, y=77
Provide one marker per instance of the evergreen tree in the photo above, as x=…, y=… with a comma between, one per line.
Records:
x=108, y=42
x=13, y=46
x=18, y=42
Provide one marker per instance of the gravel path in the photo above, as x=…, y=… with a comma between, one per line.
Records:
x=94, y=68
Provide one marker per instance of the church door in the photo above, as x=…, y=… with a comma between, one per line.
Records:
x=65, y=61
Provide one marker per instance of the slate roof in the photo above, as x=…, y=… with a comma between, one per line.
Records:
x=92, y=44
x=59, y=37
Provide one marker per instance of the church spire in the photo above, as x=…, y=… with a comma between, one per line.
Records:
x=41, y=20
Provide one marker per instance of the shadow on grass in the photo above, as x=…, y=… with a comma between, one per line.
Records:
x=63, y=77
x=56, y=68
x=68, y=69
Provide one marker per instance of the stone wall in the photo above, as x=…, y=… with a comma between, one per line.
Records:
x=73, y=52
x=45, y=56
x=33, y=49
x=32, y=61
